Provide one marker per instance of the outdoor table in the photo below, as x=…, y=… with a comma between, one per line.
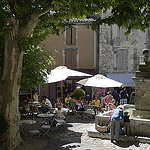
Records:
x=37, y=105
x=46, y=117
x=91, y=107
x=27, y=122
x=26, y=125
x=48, y=121
x=89, y=113
x=63, y=109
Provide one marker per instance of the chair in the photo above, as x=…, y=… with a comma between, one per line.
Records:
x=60, y=122
x=46, y=130
x=34, y=132
x=72, y=105
x=46, y=127
x=89, y=114
x=78, y=114
x=60, y=118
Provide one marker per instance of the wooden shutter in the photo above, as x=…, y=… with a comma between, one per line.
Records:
x=68, y=36
x=71, y=58
x=73, y=36
x=122, y=59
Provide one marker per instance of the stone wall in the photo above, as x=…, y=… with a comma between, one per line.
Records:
x=142, y=97
x=120, y=53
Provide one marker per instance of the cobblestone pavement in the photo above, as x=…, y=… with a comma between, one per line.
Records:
x=75, y=137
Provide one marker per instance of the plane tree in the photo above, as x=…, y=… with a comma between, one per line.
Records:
x=25, y=23
x=131, y=15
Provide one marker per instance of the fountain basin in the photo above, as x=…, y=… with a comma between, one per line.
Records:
x=138, y=126
x=141, y=114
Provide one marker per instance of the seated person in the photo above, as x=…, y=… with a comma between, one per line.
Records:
x=113, y=106
x=73, y=99
x=58, y=103
x=27, y=104
x=47, y=105
x=67, y=100
x=43, y=94
x=73, y=102
x=96, y=102
x=79, y=104
x=60, y=114
x=36, y=96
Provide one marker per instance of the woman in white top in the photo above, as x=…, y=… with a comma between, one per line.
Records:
x=47, y=105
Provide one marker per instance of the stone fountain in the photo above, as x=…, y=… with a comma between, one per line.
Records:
x=140, y=112
x=142, y=88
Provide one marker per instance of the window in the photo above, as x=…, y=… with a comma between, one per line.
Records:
x=122, y=59
x=122, y=35
x=71, y=36
x=71, y=58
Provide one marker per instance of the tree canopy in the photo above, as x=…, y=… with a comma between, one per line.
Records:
x=48, y=16
x=35, y=66
x=25, y=23
x=126, y=14
x=40, y=18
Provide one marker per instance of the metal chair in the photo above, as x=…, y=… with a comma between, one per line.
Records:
x=46, y=127
x=60, y=122
x=34, y=132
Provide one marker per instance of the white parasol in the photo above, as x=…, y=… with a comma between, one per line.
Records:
x=61, y=73
x=99, y=81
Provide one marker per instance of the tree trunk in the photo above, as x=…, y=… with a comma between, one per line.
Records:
x=9, y=98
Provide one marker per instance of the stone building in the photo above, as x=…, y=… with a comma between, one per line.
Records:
x=107, y=51
x=75, y=49
x=123, y=52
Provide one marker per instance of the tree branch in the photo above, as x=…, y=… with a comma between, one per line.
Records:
x=44, y=11
x=12, y=4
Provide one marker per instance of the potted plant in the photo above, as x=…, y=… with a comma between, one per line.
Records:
x=77, y=93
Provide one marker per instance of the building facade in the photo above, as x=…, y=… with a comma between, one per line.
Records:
x=107, y=51
x=123, y=52
x=76, y=50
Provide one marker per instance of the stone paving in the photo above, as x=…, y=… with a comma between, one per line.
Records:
x=75, y=137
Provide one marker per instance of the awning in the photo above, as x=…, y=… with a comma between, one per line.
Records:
x=125, y=78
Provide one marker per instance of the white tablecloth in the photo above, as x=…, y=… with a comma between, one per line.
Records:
x=45, y=115
x=27, y=122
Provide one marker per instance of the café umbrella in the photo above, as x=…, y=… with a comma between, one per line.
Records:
x=62, y=73
x=99, y=81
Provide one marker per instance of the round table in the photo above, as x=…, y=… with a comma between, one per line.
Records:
x=63, y=109
x=27, y=122
x=46, y=115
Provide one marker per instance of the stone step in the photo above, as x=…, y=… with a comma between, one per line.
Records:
x=92, y=132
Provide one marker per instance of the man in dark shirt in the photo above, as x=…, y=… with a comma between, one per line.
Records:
x=123, y=96
x=116, y=97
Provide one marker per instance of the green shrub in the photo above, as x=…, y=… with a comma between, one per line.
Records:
x=3, y=125
x=77, y=93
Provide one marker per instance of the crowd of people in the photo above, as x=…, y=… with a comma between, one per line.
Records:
x=105, y=102
x=114, y=101
x=46, y=105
